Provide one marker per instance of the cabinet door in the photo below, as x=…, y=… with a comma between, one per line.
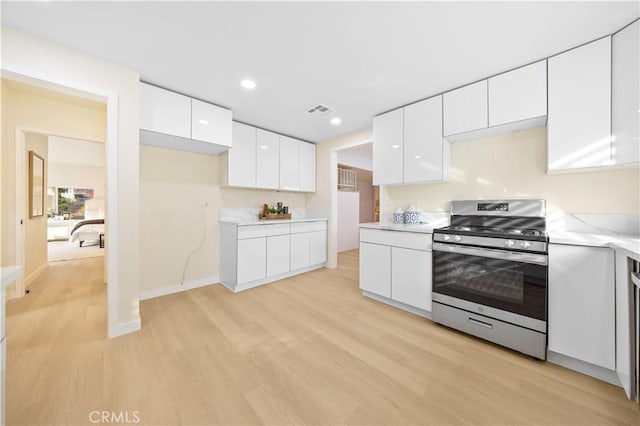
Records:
x=289, y=164
x=252, y=259
x=579, y=121
x=465, y=109
x=268, y=159
x=375, y=269
x=210, y=123
x=518, y=95
x=300, y=251
x=626, y=94
x=423, y=142
x=241, y=166
x=411, y=277
x=581, y=303
x=387, y=148
x=307, y=167
x=277, y=255
x=625, y=326
x=317, y=247
x=164, y=111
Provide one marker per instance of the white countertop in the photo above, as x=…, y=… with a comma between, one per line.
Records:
x=629, y=244
x=425, y=228
x=8, y=274
x=247, y=222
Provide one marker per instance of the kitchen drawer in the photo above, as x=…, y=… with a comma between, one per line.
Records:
x=256, y=231
x=298, y=227
x=410, y=240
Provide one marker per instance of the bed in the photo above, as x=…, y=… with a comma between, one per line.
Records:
x=92, y=228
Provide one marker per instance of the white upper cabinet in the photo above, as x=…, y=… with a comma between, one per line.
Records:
x=465, y=109
x=518, y=95
x=164, y=111
x=241, y=159
x=210, y=123
x=176, y=121
x=626, y=94
x=307, y=167
x=268, y=159
x=425, y=151
x=579, y=120
x=289, y=163
x=387, y=148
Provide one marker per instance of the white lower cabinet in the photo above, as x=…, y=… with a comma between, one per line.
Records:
x=317, y=247
x=308, y=244
x=299, y=250
x=581, y=304
x=411, y=277
x=252, y=259
x=397, y=266
x=278, y=248
x=252, y=255
x=375, y=269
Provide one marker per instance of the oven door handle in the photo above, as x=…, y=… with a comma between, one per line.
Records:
x=515, y=256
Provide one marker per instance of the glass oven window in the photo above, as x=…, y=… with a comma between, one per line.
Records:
x=503, y=284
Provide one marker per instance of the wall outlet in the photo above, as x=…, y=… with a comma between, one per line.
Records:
x=177, y=224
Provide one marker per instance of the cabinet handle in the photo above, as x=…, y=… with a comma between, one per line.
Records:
x=635, y=278
x=480, y=323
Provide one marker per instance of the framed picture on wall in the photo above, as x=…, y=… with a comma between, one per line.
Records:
x=36, y=185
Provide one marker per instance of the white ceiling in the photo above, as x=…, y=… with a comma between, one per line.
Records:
x=360, y=58
x=76, y=152
x=360, y=156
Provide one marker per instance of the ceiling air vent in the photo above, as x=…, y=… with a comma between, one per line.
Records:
x=320, y=109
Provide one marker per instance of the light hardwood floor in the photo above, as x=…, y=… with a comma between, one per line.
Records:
x=306, y=350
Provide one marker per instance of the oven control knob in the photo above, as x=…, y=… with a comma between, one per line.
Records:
x=446, y=238
x=458, y=238
x=525, y=244
x=509, y=243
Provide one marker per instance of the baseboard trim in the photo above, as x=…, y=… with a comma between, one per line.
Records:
x=177, y=288
x=126, y=328
x=35, y=274
x=583, y=367
x=399, y=305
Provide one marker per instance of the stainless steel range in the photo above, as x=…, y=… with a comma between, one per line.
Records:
x=490, y=270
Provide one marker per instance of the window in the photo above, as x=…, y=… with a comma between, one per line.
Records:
x=67, y=203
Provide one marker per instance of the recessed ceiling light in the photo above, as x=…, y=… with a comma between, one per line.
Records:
x=263, y=147
x=395, y=146
x=248, y=84
x=336, y=120
x=416, y=157
x=203, y=121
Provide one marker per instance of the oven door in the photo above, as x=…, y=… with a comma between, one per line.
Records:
x=509, y=281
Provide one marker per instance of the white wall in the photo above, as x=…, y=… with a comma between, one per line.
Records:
x=348, y=220
x=513, y=165
x=75, y=176
x=174, y=185
x=49, y=64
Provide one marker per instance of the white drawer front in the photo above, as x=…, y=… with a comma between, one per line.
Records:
x=410, y=240
x=320, y=225
x=255, y=231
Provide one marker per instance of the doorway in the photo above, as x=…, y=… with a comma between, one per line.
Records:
x=357, y=198
x=37, y=114
x=76, y=185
